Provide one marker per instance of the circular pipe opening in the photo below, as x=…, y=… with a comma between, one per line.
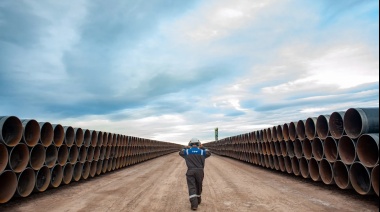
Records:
x=31, y=132
x=26, y=181
x=94, y=138
x=97, y=153
x=275, y=161
x=51, y=156
x=87, y=138
x=317, y=149
x=330, y=147
x=336, y=125
x=73, y=155
x=108, y=152
x=79, y=136
x=93, y=166
x=307, y=148
x=99, y=167
x=341, y=175
x=78, y=168
x=11, y=130
x=82, y=154
x=110, y=139
x=47, y=134
x=67, y=173
x=105, y=166
x=375, y=179
x=292, y=131
x=105, y=139
x=90, y=153
x=347, y=150
x=285, y=131
x=69, y=136
x=86, y=170
x=280, y=136
x=300, y=129
x=19, y=158
x=323, y=129
x=63, y=155
x=269, y=134
x=310, y=128
x=277, y=148
x=283, y=148
x=368, y=149
x=43, y=178
x=59, y=135
x=274, y=133
x=272, y=148
x=314, y=170
x=290, y=148
x=37, y=157
x=353, y=122
x=102, y=152
x=281, y=162
x=288, y=165
x=304, y=167
x=298, y=148
x=295, y=166
x=100, y=138
x=56, y=176
x=326, y=172
x=8, y=185
x=3, y=157
x=360, y=178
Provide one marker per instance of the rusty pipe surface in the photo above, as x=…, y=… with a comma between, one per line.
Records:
x=43, y=177
x=105, y=138
x=96, y=153
x=18, y=158
x=93, y=166
x=298, y=148
x=304, y=167
x=279, y=134
x=59, y=135
x=285, y=131
x=99, y=167
x=367, y=149
x=275, y=161
x=330, y=147
x=288, y=165
x=336, y=124
x=63, y=155
x=73, y=155
x=314, y=170
x=358, y=121
x=82, y=154
x=8, y=185
x=375, y=179
x=317, y=149
x=37, y=156
x=94, y=138
x=3, y=157
x=46, y=134
x=340, y=174
x=25, y=182
x=283, y=148
x=295, y=166
x=277, y=148
x=56, y=176
x=79, y=137
x=90, y=153
x=301, y=131
x=103, y=151
x=307, y=148
x=77, y=171
x=326, y=172
x=11, y=130
x=311, y=127
x=87, y=138
x=292, y=131
x=67, y=173
x=31, y=132
x=347, y=150
x=69, y=136
x=290, y=148
x=281, y=162
x=274, y=133
x=360, y=178
x=323, y=129
x=86, y=170
x=100, y=138
x=105, y=166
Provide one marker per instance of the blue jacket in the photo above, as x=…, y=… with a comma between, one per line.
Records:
x=195, y=157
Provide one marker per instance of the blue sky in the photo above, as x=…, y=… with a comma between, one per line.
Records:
x=172, y=70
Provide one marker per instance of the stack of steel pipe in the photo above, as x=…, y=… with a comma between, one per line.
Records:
x=36, y=156
x=339, y=149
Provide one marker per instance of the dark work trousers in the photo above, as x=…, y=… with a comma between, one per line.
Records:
x=194, y=182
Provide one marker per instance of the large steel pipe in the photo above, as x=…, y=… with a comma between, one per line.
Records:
x=18, y=158
x=86, y=170
x=279, y=134
x=326, y=172
x=11, y=130
x=358, y=121
x=336, y=125
x=100, y=138
x=360, y=178
x=105, y=166
x=311, y=127
x=281, y=162
x=340, y=174
x=25, y=182
x=37, y=157
x=330, y=147
x=77, y=172
x=96, y=153
x=46, y=134
x=87, y=138
x=367, y=149
x=43, y=177
x=3, y=157
x=99, y=167
x=277, y=148
x=93, y=166
x=31, y=132
x=69, y=136
x=8, y=185
x=283, y=148
x=323, y=129
x=79, y=136
x=63, y=155
x=103, y=151
x=90, y=153
x=285, y=131
x=67, y=173
x=307, y=148
x=347, y=150
x=301, y=131
x=73, y=155
x=59, y=135
x=94, y=138
x=292, y=131
x=274, y=133
x=288, y=165
x=317, y=149
x=298, y=148
x=314, y=170
x=374, y=179
x=295, y=166
x=275, y=161
x=304, y=167
x=290, y=148
x=105, y=138
x=56, y=176
x=82, y=154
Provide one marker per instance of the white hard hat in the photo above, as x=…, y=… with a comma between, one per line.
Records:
x=194, y=141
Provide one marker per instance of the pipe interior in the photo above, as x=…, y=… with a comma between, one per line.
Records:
x=51, y=156
x=353, y=123
x=19, y=157
x=325, y=171
x=292, y=131
x=43, y=179
x=67, y=173
x=317, y=148
x=336, y=125
x=279, y=133
x=301, y=129
x=290, y=148
x=94, y=138
x=90, y=153
x=93, y=168
x=368, y=150
x=288, y=165
x=341, y=175
x=63, y=154
x=69, y=136
x=73, y=154
x=314, y=169
x=298, y=148
x=82, y=154
x=8, y=185
x=295, y=166
x=47, y=134
x=304, y=167
x=323, y=126
x=99, y=167
x=79, y=137
x=59, y=135
x=285, y=131
x=11, y=131
x=100, y=138
x=331, y=149
x=307, y=148
x=37, y=156
x=310, y=128
x=26, y=181
x=360, y=178
x=346, y=150
x=96, y=153
x=3, y=157
x=86, y=170
x=87, y=138
x=56, y=175
x=375, y=179
x=77, y=171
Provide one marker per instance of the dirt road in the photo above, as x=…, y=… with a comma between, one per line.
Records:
x=160, y=185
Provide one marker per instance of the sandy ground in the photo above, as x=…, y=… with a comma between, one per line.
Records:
x=160, y=185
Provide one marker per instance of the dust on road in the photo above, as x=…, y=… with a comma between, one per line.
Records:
x=160, y=185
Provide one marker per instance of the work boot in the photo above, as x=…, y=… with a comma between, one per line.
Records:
x=194, y=203
x=199, y=200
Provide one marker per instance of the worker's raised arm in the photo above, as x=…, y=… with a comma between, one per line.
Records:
x=182, y=153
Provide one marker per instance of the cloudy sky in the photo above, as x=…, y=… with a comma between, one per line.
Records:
x=171, y=70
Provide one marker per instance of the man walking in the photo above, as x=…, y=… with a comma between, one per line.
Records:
x=195, y=156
